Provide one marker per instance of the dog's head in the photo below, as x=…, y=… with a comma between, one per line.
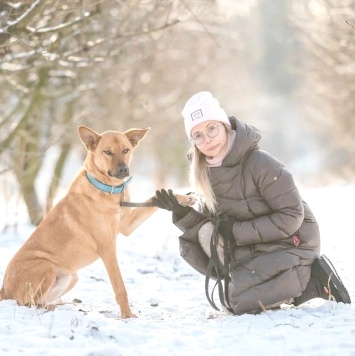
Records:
x=110, y=153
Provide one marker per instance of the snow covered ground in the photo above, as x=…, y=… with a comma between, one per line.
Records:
x=174, y=318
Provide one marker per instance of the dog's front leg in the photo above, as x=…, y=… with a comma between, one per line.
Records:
x=110, y=260
x=131, y=219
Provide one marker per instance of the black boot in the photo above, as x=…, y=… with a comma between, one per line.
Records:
x=324, y=283
x=313, y=290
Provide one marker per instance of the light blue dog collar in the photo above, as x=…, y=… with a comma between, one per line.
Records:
x=112, y=189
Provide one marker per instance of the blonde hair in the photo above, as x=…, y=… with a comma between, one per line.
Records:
x=199, y=177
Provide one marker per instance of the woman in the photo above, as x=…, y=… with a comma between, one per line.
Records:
x=252, y=230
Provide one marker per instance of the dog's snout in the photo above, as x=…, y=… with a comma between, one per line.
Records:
x=123, y=170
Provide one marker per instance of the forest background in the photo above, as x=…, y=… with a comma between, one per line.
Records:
x=286, y=67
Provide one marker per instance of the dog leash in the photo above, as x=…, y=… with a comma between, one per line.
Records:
x=221, y=269
x=131, y=204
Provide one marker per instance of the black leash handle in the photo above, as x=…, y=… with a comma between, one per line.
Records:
x=221, y=269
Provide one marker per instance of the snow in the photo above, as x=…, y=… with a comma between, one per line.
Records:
x=174, y=317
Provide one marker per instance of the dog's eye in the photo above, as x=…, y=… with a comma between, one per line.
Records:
x=125, y=151
x=107, y=152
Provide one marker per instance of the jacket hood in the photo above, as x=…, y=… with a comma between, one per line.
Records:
x=247, y=139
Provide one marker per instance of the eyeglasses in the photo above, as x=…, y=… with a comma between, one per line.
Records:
x=211, y=131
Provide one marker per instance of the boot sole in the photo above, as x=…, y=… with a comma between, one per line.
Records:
x=322, y=269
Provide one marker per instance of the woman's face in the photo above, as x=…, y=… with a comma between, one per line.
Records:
x=215, y=138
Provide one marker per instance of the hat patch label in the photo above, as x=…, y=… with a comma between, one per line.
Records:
x=196, y=114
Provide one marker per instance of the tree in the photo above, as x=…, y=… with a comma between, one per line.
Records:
x=53, y=57
x=108, y=65
x=328, y=43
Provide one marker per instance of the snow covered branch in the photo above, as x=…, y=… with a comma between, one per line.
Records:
x=60, y=26
x=26, y=17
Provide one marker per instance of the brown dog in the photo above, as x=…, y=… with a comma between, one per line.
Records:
x=83, y=226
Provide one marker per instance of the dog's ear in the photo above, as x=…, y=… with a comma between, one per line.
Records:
x=136, y=135
x=89, y=137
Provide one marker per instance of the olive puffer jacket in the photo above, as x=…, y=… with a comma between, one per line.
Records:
x=276, y=235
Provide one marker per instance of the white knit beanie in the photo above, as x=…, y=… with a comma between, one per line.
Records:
x=202, y=107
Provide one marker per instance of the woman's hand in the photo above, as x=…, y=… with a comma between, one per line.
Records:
x=167, y=200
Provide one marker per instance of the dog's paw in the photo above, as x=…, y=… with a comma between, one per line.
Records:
x=51, y=307
x=186, y=200
x=127, y=314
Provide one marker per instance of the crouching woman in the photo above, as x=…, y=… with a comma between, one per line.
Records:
x=252, y=233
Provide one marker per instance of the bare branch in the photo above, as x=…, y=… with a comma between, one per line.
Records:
x=350, y=24
x=60, y=26
x=27, y=16
x=26, y=113
x=6, y=170
x=12, y=112
x=202, y=24
x=24, y=43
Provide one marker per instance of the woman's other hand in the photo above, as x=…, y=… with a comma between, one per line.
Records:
x=167, y=200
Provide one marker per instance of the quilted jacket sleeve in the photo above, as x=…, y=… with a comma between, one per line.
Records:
x=188, y=222
x=277, y=187
x=190, y=248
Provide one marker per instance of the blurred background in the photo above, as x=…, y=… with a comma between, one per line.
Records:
x=286, y=67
